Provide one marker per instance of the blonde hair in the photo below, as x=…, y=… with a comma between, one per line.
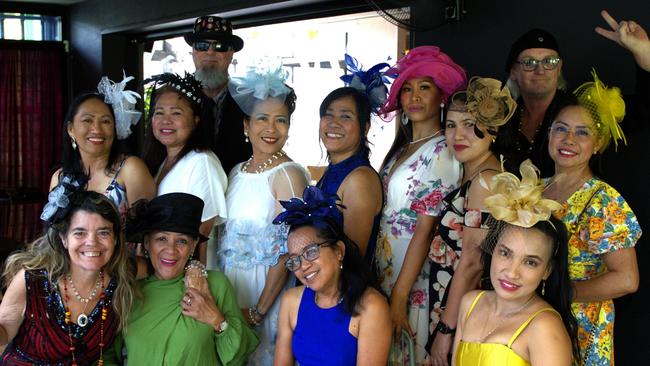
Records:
x=47, y=253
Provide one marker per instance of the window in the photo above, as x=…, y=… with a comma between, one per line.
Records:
x=30, y=27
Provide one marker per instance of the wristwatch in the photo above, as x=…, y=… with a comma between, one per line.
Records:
x=444, y=328
x=222, y=327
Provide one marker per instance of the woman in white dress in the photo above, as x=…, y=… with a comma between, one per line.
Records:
x=250, y=247
x=418, y=171
x=177, y=148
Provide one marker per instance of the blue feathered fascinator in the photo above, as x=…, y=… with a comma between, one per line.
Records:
x=314, y=208
x=372, y=83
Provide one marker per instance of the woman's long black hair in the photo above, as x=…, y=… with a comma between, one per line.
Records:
x=200, y=138
x=356, y=275
x=558, y=290
x=363, y=113
x=71, y=163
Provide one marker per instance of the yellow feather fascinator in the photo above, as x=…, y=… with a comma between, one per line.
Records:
x=606, y=107
x=519, y=202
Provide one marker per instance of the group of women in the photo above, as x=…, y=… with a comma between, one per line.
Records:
x=438, y=258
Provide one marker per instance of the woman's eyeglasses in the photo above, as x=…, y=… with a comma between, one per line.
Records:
x=216, y=46
x=580, y=133
x=310, y=253
x=548, y=62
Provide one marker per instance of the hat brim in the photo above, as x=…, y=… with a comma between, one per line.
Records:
x=139, y=236
x=230, y=39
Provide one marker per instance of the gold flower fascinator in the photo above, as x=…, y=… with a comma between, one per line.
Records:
x=489, y=103
x=519, y=202
x=606, y=107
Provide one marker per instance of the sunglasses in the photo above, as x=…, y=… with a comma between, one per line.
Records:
x=548, y=62
x=311, y=253
x=216, y=46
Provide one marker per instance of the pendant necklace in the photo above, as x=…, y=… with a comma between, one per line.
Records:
x=82, y=319
x=506, y=316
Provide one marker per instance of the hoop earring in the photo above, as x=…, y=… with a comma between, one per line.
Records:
x=73, y=143
x=404, y=118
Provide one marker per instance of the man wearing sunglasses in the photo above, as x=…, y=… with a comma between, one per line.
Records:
x=213, y=47
x=534, y=65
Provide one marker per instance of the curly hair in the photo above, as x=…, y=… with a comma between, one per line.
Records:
x=48, y=253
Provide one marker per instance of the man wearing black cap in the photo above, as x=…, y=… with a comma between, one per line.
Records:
x=535, y=68
x=213, y=46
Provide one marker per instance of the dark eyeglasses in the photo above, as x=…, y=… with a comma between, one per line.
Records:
x=548, y=62
x=216, y=46
x=310, y=253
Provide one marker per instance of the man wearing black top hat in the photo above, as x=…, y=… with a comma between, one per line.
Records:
x=535, y=75
x=213, y=46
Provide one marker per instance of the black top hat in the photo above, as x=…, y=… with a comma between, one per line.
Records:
x=173, y=212
x=214, y=28
x=534, y=38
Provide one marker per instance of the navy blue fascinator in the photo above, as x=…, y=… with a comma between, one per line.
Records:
x=315, y=208
x=372, y=82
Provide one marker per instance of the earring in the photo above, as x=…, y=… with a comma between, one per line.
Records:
x=543, y=287
x=74, y=143
x=404, y=119
x=442, y=112
x=246, y=134
x=341, y=266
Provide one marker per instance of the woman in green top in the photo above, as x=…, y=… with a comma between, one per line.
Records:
x=186, y=315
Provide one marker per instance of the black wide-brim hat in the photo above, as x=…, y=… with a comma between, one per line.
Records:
x=534, y=38
x=173, y=212
x=214, y=28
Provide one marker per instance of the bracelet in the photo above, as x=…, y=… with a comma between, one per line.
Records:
x=253, y=314
x=444, y=328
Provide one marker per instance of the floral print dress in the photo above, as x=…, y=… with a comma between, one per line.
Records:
x=417, y=186
x=598, y=221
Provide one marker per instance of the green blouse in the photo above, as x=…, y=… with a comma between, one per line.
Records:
x=159, y=334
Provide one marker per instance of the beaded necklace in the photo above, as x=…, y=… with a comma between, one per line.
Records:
x=82, y=319
x=262, y=167
x=425, y=137
x=68, y=321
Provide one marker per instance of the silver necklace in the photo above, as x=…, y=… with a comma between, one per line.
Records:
x=425, y=137
x=337, y=303
x=506, y=316
x=82, y=319
x=262, y=167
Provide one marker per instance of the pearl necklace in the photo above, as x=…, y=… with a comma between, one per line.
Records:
x=262, y=167
x=82, y=319
x=506, y=316
x=425, y=137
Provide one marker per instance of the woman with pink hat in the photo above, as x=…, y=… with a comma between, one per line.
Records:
x=418, y=171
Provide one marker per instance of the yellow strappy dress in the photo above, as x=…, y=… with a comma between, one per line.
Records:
x=492, y=354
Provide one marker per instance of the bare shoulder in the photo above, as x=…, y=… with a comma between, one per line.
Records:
x=477, y=192
x=546, y=323
x=55, y=178
x=292, y=296
x=134, y=164
x=364, y=175
x=374, y=303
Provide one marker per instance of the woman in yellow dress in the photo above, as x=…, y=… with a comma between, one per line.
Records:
x=526, y=318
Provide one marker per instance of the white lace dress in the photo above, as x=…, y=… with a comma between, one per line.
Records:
x=249, y=244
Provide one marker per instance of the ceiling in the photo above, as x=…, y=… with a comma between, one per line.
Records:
x=57, y=2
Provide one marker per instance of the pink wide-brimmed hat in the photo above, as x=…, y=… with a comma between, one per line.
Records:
x=425, y=61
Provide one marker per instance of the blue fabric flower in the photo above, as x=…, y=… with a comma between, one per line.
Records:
x=372, y=82
x=314, y=206
x=58, y=200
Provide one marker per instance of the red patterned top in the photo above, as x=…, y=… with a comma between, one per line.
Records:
x=43, y=339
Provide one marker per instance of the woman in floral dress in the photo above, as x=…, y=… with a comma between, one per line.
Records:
x=418, y=171
x=601, y=226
